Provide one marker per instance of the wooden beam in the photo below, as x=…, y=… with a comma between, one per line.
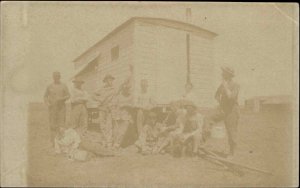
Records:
x=228, y=162
x=188, y=76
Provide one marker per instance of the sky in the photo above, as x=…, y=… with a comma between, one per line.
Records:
x=257, y=40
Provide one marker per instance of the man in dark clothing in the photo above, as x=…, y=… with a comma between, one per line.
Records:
x=227, y=96
x=55, y=96
x=191, y=132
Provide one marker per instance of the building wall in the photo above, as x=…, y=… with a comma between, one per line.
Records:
x=91, y=81
x=118, y=68
x=202, y=67
x=158, y=54
x=160, y=57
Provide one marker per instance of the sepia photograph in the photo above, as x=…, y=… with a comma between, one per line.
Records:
x=149, y=94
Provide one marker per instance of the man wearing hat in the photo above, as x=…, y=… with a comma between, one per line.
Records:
x=124, y=118
x=144, y=103
x=227, y=96
x=149, y=135
x=55, y=96
x=189, y=94
x=79, y=97
x=192, y=129
x=106, y=103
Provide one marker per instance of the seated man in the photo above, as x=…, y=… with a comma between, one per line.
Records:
x=171, y=126
x=191, y=132
x=149, y=135
x=67, y=142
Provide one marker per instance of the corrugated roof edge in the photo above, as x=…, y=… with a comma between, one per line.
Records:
x=162, y=21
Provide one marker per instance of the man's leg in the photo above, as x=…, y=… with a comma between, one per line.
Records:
x=61, y=115
x=172, y=136
x=231, y=123
x=102, y=126
x=53, y=133
x=108, y=129
x=196, y=139
x=122, y=126
x=52, y=124
x=54, y=127
x=75, y=116
x=58, y=116
x=140, y=120
x=83, y=120
x=177, y=145
x=163, y=143
x=115, y=132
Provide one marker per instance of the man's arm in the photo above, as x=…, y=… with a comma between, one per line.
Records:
x=231, y=93
x=218, y=93
x=67, y=94
x=96, y=96
x=151, y=103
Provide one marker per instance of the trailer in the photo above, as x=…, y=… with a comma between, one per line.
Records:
x=167, y=53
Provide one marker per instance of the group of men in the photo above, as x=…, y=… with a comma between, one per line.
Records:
x=180, y=132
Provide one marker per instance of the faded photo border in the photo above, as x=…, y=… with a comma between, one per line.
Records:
x=25, y=71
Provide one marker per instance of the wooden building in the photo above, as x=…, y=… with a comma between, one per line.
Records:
x=269, y=103
x=165, y=52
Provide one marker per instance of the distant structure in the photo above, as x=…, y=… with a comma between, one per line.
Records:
x=157, y=49
x=269, y=103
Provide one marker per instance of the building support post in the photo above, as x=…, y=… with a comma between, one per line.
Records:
x=188, y=78
x=188, y=12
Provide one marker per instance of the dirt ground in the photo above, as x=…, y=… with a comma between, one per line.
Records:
x=265, y=142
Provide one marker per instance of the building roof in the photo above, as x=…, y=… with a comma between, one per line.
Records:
x=156, y=21
x=86, y=68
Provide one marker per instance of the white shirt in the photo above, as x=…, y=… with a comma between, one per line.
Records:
x=78, y=94
x=68, y=143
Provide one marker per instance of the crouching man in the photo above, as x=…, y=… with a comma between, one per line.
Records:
x=67, y=142
x=148, y=138
x=170, y=127
x=191, y=134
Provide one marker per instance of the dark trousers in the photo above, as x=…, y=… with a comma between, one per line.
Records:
x=230, y=119
x=57, y=118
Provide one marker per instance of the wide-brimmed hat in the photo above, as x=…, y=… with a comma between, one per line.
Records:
x=108, y=76
x=78, y=80
x=228, y=70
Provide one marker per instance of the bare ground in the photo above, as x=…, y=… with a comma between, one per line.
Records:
x=265, y=142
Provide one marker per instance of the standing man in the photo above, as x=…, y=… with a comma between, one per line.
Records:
x=124, y=119
x=189, y=94
x=79, y=97
x=144, y=104
x=105, y=97
x=227, y=96
x=55, y=96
